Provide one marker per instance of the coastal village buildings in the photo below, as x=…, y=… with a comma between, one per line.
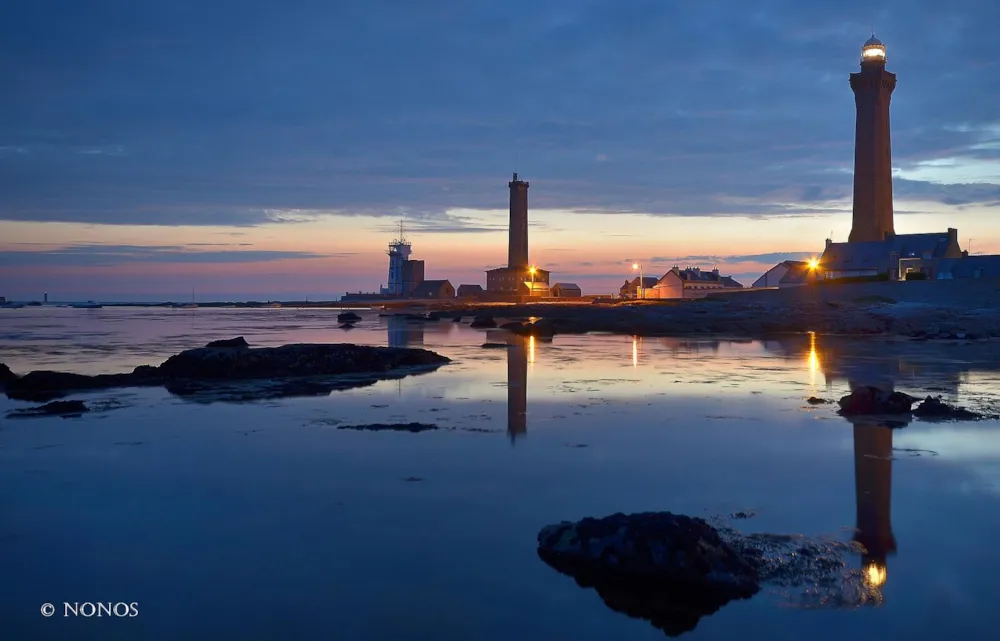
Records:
x=787, y=273
x=433, y=289
x=690, y=282
x=566, y=290
x=470, y=291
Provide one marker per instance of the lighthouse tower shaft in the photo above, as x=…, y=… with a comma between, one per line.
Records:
x=517, y=248
x=872, y=87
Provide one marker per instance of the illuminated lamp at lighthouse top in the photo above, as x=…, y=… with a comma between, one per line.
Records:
x=873, y=51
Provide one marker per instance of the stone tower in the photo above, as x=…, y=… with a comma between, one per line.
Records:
x=517, y=249
x=872, y=88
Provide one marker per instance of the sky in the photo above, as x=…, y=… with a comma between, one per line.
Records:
x=267, y=150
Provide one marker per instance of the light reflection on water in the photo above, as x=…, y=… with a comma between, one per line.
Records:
x=290, y=528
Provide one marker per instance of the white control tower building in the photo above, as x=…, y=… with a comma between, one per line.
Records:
x=399, y=253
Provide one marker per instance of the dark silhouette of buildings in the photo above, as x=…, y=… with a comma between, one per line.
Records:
x=872, y=88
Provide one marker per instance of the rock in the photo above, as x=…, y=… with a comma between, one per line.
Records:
x=6, y=375
x=391, y=427
x=348, y=317
x=513, y=325
x=205, y=367
x=667, y=568
x=347, y=326
x=66, y=409
x=293, y=360
x=813, y=400
x=434, y=316
x=494, y=345
x=238, y=342
x=934, y=407
x=457, y=319
x=485, y=322
x=872, y=400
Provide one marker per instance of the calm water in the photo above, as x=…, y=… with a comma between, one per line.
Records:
x=264, y=521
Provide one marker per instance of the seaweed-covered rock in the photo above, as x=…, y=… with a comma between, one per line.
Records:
x=65, y=409
x=668, y=568
x=934, y=407
x=485, y=322
x=238, y=342
x=870, y=400
x=391, y=427
x=204, y=367
x=348, y=317
x=302, y=359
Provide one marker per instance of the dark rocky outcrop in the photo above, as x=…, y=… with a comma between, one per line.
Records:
x=267, y=372
x=65, y=409
x=869, y=400
x=513, y=325
x=484, y=322
x=494, y=345
x=6, y=375
x=391, y=427
x=348, y=317
x=813, y=400
x=457, y=319
x=667, y=568
x=238, y=342
x=934, y=408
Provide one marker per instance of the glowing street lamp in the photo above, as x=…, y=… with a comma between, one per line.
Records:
x=813, y=263
x=640, y=288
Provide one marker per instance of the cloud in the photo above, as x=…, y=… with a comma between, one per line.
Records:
x=239, y=118
x=90, y=255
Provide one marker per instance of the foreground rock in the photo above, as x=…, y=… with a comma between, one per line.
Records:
x=872, y=401
x=934, y=408
x=245, y=373
x=668, y=568
x=868, y=400
x=391, y=427
x=484, y=322
x=66, y=409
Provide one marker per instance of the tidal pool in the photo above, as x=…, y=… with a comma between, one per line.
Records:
x=264, y=520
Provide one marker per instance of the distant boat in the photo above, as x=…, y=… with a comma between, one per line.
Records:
x=88, y=305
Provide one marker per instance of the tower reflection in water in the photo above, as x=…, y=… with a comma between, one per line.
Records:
x=873, y=497
x=520, y=351
x=872, y=459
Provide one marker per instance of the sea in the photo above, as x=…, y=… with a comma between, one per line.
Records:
x=264, y=520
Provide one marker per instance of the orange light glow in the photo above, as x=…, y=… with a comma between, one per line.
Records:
x=813, y=263
x=813, y=358
x=875, y=574
x=531, y=349
x=635, y=265
x=635, y=351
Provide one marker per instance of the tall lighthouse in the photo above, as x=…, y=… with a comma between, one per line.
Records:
x=872, y=88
